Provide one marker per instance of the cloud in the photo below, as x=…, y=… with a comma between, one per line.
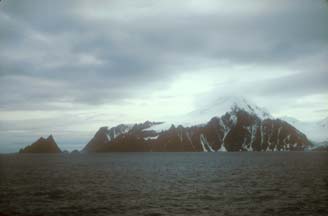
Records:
x=95, y=54
x=300, y=84
x=81, y=55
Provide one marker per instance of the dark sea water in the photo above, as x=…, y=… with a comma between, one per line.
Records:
x=277, y=183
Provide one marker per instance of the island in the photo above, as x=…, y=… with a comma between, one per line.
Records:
x=42, y=145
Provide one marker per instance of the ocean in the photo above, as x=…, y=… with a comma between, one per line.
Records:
x=154, y=184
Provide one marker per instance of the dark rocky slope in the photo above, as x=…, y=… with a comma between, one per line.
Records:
x=42, y=145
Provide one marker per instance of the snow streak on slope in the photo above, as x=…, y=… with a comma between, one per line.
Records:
x=114, y=132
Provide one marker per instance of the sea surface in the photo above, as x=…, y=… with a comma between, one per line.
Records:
x=247, y=183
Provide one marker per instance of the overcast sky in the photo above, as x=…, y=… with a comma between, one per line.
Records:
x=69, y=67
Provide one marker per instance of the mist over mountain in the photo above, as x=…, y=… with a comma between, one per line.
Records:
x=316, y=131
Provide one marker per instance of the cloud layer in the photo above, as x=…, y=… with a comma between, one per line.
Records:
x=64, y=58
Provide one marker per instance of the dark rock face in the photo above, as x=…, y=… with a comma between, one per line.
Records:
x=237, y=130
x=99, y=141
x=42, y=145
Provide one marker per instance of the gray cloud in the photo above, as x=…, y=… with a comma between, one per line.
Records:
x=47, y=40
x=89, y=53
x=299, y=84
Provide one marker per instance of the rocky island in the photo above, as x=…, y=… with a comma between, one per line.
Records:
x=244, y=127
x=42, y=145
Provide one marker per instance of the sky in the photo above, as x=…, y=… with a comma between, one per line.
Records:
x=70, y=67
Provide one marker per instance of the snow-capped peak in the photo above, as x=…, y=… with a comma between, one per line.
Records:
x=243, y=104
x=217, y=108
x=226, y=104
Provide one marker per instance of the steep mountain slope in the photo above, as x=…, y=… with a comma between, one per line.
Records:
x=104, y=135
x=315, y=131
x=42, y=145
x=243, y=128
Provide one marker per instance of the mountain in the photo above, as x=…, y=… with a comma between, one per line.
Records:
x=104, y=135
x=244, y=127
x=316, y=131
x=42, y=145
x=322, y=146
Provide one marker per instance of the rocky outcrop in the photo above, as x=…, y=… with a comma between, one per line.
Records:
x=42, y=145
x=237, y=130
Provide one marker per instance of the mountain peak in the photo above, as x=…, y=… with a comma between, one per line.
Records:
x=249, y=107
x=223, y=105
x=50, y=138
x=42, y=145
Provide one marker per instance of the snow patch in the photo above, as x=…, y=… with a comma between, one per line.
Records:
x=158, y=128
x=151, y=138
x=205, y=143
x=222, y=149
x=108, y=137
x=226, y=130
